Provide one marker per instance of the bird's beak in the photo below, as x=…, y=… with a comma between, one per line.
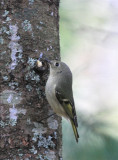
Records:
x=48, y=61
x=40, y=64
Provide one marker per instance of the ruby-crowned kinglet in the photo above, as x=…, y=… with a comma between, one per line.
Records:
x=59, y=93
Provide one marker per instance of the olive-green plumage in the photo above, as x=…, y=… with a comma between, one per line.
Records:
x=59, y=93
x=69, y=111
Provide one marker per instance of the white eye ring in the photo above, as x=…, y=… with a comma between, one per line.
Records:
x=56, y=64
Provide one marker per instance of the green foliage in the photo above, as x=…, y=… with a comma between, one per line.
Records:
x=82, y=24
x=94, y=142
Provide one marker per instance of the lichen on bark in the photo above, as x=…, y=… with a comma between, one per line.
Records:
x=28, y=28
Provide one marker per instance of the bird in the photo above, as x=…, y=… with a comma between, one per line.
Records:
x=59, y=93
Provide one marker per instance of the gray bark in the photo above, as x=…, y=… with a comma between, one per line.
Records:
x=28, y=28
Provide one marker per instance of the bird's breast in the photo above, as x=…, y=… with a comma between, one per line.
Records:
x=51, y=97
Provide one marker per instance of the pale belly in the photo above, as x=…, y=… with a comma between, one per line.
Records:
x=54, y=103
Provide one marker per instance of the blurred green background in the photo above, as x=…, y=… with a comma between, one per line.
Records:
x=89, y=45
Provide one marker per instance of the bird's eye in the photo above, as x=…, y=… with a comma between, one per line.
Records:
x=56, y=64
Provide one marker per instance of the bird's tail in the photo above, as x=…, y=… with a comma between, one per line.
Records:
x=75, y=130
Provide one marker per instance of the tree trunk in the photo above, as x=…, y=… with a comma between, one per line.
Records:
x=28, y=28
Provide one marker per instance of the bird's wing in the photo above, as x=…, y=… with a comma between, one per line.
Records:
x=68, y=105
x=70, y=111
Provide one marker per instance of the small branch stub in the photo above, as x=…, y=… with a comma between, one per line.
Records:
x=39, y=64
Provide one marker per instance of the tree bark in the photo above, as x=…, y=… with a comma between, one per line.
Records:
x=28, y=28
